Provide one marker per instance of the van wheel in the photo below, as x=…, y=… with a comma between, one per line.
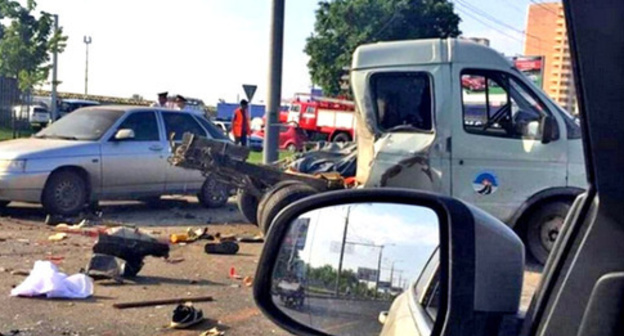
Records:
x=341, y=137
x=65, y=194
x=268, y=193
x=213, y=194
x=248, y=206
x=281, y=199
x=543, y=228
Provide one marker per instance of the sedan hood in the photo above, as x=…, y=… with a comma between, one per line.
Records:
x=32, y=148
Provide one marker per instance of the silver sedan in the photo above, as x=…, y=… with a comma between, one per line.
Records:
x=105, y=153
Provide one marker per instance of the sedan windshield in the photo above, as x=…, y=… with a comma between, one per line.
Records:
x=83, y=124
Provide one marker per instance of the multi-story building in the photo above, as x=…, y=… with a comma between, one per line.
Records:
x=546, y=36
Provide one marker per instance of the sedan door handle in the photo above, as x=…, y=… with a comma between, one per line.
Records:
x=156, y=148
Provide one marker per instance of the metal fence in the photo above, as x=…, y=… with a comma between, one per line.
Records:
x=13, y=111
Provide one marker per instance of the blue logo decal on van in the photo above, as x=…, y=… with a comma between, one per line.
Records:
x=485, y=183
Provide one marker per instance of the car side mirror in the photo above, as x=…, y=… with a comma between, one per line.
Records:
x=549, y=129
x=124, y=134
x=341, y=262
x=532, y=129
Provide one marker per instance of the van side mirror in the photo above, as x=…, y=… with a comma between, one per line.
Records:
x=342, y=262
x=549, y=129
x=124, y=134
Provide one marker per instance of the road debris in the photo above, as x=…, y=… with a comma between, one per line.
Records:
x=103, y=266
x=191, y=235
x=58, y=237
x=213, y=332
x=139, y=304
x=185, y=315
x=55, y=259
x=224, y=247
x=251, y=239
x=45, y=279
x=233, y=274
x=174, y=260
x=248, y=281
x=131, y=245
x=20, y=272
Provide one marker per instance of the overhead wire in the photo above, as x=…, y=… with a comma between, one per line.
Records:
x=475, y=16
x=542, y=5
x=485, y=15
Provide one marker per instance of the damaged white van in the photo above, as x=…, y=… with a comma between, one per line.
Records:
x=455, y=117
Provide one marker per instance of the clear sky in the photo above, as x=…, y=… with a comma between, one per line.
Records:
x=207, y=48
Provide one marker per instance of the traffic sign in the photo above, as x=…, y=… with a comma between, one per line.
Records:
x=250, y=90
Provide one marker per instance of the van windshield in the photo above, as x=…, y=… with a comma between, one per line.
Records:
x=83, y=124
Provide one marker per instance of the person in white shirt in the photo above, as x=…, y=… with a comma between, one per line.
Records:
x=162, y=100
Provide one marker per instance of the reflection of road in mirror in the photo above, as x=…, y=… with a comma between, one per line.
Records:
x=340, y=266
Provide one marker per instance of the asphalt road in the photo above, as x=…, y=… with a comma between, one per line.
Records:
x=23, y=240
x=339, y=316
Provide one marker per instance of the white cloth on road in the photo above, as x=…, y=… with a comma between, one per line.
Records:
x=45, y=279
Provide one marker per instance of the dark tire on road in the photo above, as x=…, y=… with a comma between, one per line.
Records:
x=268, y=193
x=248, y=206
x=280, y=199
x=213, y=194
x=341, y=137
x=65, y=193
x=543, y=227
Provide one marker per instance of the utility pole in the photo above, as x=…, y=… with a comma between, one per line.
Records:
x=87, y=41
x=275, y=82
x=378, y=270
x=342, y=249
x=53, y=94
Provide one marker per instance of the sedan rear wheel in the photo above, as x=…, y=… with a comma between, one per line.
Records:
x=213, y=194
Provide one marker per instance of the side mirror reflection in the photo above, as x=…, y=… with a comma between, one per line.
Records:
x=340, y=268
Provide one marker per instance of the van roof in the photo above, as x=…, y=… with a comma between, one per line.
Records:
x=426, y=51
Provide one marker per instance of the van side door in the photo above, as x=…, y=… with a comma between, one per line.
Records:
x=499, y=159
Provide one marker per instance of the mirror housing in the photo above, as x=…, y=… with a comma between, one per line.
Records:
x=124, y=134
x=481, y=261
x=549, y=129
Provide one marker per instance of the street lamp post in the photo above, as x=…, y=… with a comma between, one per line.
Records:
x=87, y=40
x=53, y=93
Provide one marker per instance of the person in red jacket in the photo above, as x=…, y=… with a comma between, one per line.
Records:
x=240, y=124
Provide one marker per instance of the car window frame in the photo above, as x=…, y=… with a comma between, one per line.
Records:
x=201, y=119
x=164, y=121
x=546, y=112
x=123, y=118
x=423, y=288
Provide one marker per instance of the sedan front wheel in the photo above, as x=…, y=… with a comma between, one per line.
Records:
x=65, y=194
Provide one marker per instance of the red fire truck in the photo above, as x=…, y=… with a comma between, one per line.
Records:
x=323, y=118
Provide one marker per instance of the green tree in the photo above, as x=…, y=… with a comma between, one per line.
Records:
x=27, y=40
x=342, y=25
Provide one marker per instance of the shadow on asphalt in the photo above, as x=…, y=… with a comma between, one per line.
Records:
x=158, y=280
x=166, y=212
